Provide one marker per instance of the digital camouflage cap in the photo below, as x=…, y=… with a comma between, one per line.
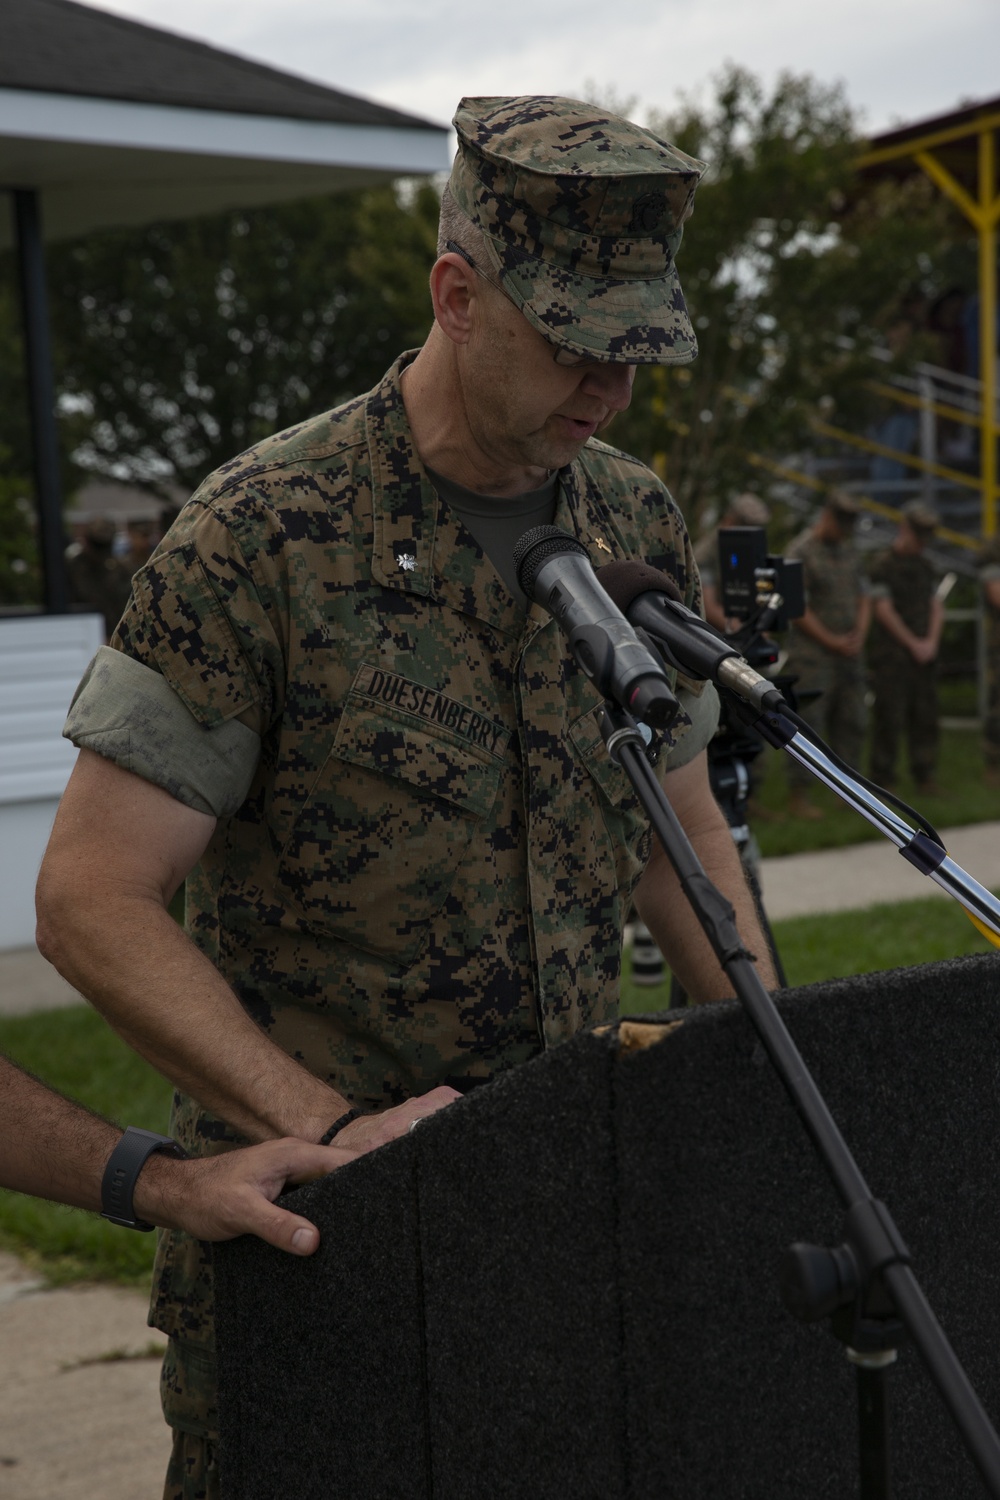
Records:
x=749, y=509
x=921, y=516
x=843, y=503
x=582, y=215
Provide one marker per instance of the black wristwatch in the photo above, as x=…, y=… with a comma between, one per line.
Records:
x=124, y=1165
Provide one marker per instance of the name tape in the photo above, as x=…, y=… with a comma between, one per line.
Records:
x=434, y=708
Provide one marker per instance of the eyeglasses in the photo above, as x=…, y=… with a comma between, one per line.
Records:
x=564, y=357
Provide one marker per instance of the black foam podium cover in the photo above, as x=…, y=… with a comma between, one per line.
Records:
x=566, y=1284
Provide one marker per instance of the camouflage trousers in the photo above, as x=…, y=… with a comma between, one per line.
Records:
x=187, y=1392
x=905, y=708
x=192, y=1473
x=838, y=715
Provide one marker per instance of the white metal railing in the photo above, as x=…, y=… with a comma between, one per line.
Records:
x=42, y=658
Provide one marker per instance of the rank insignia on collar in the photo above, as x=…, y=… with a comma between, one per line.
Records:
x=599, y=541
x=407, y=562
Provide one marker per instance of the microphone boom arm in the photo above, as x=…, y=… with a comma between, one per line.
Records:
x=919, y=850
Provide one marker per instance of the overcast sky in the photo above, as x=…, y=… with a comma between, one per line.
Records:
x=900, y=60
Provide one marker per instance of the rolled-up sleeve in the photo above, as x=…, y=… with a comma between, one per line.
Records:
x=703, y=710
x=129, y=713
x=194, y=673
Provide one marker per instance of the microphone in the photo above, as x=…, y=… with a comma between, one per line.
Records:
x=553, y=569
x=651, y=601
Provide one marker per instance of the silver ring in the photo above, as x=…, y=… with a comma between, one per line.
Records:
x=412, y=1125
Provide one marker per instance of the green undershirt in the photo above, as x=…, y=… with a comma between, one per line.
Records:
x=498, y=522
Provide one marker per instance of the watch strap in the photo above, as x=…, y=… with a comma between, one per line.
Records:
x=124, y=1165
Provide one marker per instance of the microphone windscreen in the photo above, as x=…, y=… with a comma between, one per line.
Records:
x=625, y=581
x=533, y=550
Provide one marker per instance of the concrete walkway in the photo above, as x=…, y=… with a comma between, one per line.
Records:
x=864, y=875
x=79, y=1393
x=80, y=1411
x=28, y=984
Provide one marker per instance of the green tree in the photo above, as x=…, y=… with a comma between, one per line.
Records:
x=181, y=344
x=15, y=445
x=793, y=273
x=20, y=576
x=20, y=579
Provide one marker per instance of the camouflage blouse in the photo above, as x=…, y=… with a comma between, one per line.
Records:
x=424, y=855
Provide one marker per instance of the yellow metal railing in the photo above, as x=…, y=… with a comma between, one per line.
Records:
x=911, y=398
x=876, y=507
x=870, y=445
x=983, y=213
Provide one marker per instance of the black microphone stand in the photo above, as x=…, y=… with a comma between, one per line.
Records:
x=864, y=1285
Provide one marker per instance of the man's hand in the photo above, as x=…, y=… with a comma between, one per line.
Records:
x=923, y=649
x=811, y=625
x=851, y=644
x=220, y=1197
x=55, y=1148
x=372, y=1131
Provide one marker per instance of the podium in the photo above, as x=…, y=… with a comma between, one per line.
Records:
x=566, y=1285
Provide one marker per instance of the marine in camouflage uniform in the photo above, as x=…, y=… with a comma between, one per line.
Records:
x=906, y=633
x=989, y=578
x=826, y=645
x=96, y=577
x=417, y=853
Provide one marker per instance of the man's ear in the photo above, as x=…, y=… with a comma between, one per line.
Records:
x=453, y=291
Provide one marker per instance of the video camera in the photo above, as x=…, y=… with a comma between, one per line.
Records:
x=763, y=592
x=756, y=584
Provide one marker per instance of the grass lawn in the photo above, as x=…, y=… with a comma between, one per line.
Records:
x=77, y=1053
x=838, y=945
x=965, y=800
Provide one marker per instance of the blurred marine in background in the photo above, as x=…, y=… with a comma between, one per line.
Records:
x=906, y=637
x=826, y=644
x=97, y=578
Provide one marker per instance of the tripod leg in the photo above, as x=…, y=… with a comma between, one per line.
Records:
x=758, y=901
x=647, y=960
